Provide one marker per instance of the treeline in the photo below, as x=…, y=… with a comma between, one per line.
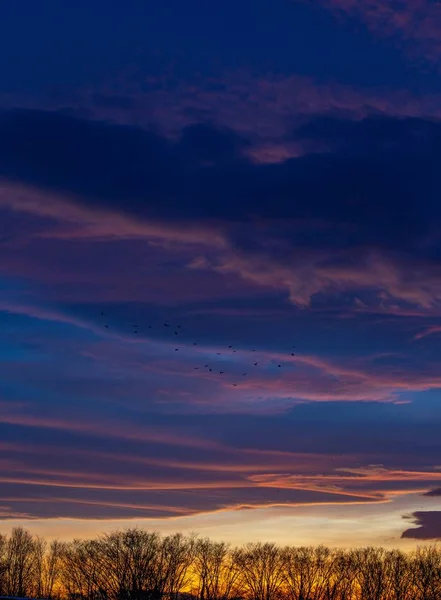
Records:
x=140, y=565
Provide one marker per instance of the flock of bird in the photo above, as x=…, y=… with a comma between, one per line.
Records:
x=208, y=367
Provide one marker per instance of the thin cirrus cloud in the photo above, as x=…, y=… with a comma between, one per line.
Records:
x=78, y=483
x=96, y=367
x=429, y=331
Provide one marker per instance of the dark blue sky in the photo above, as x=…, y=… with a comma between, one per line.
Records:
x=220, y=276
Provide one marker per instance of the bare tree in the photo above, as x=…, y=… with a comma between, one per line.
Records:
x=426, y=570
x=3, y=563
x=398, y=575
x=307, y=572
x=216, y=570
x=261, y=570
x=172, y=571
x=23, y=555
x=139, y=565
x=51, y=570
x=370, y=569
x=127, y=564
x=340, y=583
x=80, y=571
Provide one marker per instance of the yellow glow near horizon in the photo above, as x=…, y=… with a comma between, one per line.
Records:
x=343, y=525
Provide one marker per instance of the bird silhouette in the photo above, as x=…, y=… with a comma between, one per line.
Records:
x=218, y=353
x=194, y=344
x=166, y=325
x=279, y=365
x=102, y=314
x=176, y=333
x=210, y=370
x=243, y=374
x=230, y=346
x=234, y=384
x=176, y=349
x=106, y=326
x=205, y=365
x=255, y=364
x=292, y=354
x=221, y=372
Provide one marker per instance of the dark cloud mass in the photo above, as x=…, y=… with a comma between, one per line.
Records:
x=373, y=173
x=433, y=493
x=220, y=267
x=429, y=526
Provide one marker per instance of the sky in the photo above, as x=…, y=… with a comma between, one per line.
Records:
x=220, y=269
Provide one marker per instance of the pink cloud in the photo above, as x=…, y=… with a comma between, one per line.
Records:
x=102, y=428
x=417, y=22
x=230, y=478
x=209, y=265
x=262, y=107
x=235, y=479
x=429, y=331
x=313, y=272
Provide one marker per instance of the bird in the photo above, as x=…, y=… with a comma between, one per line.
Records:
x=253, y=351
x=107, y=327
x=179, y=326
x=243, y=374
x=230, y=346
x=176, y=333
x=234, y=350
x=196, y=368
x=205, y=365
x=166, y=325
x=176, y=349
x=255, y=364
x=210, y=370
x=292, y=354
x=102, y=314
x=194, y=344
x=221, y=372
x=218, y=353
x=279, y=365
x=234, y=384
x=150, y=326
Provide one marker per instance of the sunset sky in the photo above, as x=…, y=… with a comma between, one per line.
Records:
x=262, y=176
